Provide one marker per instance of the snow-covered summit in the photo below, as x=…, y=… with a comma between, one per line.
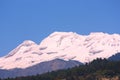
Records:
x=28, y=42
x=23, y=46
x=61, y=33
x=62, y=45
x=98, y=33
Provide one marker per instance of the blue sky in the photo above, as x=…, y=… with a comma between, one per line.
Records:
x=35, y=19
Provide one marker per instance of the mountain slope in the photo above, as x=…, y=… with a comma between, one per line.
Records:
x=62, y=45
x=115, y=57
x=99, y=69
x=40, y=68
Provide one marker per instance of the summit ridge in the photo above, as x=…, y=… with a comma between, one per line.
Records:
x=62, y=45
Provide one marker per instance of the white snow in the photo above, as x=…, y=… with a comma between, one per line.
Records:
x=63, y=45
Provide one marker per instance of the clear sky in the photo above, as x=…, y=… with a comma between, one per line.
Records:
x=35, y=19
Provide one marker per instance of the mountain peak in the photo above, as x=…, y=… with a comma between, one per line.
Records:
x=63, y=45
x=28, y=42
x=61, y=33
x=21, y=48
x=98, y=33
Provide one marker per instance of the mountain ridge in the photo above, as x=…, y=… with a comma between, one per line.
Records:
x=65, y=46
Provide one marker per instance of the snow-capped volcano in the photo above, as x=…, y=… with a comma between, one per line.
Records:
x=62, y=45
